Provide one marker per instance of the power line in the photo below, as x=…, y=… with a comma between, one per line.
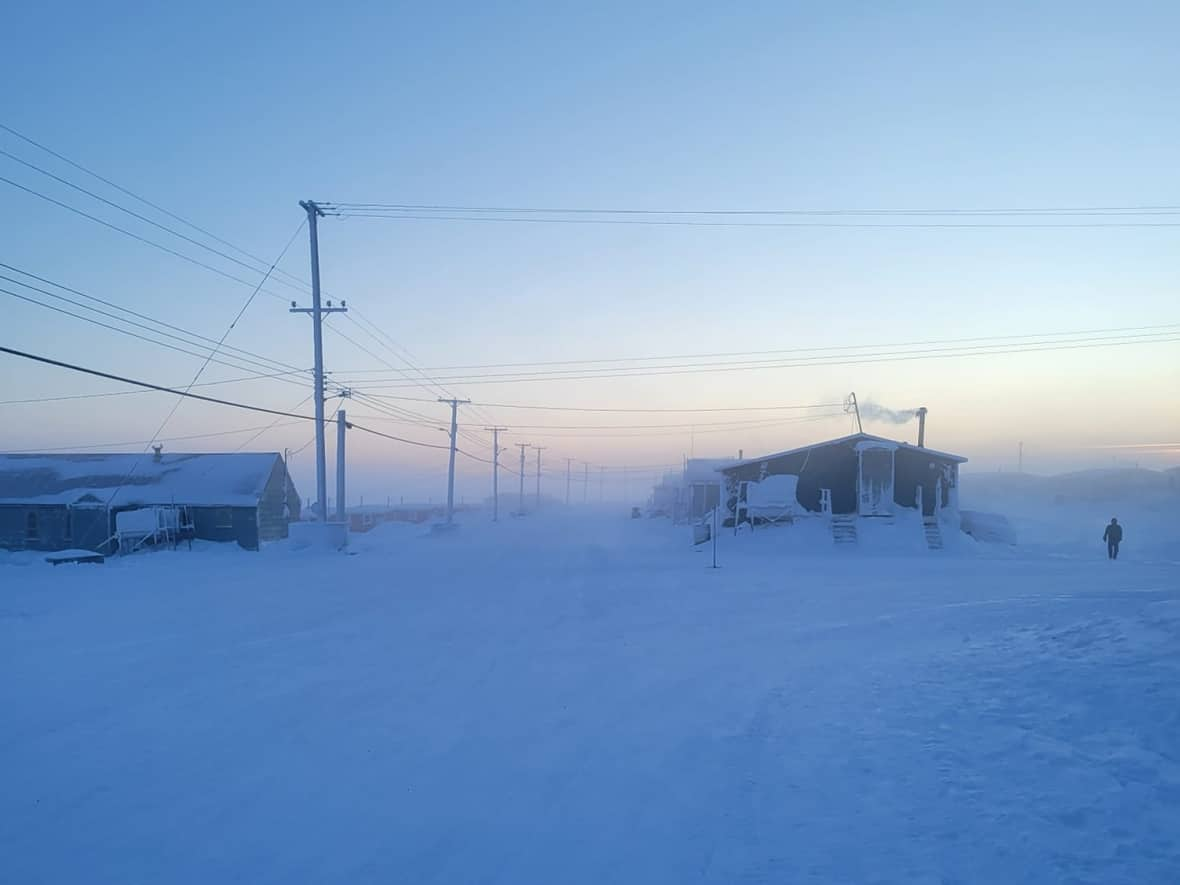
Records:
x=143, y=218
x=797, y=350
x=580, y=210
x=197, y=396
x=903, y=356
x=77, y=396
x=622, y=410
x=139, y=198
x=752, y=224
x=122, y=331
x=247, y=353
x=205, y=352
x=136, y=236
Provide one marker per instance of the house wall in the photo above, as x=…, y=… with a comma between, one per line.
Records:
x=51, y=527
x=279, y=490
x=913, y=470
x=227, y=524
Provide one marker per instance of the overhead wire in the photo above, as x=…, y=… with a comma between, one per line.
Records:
x=141, y=239
x=110, y=376
x=859, y=359
x=903, y=225
x=139, y=216
x=78, y=396
x=270, y=361
x=582, y=210
x=135, y=196
x=91, y=320
x=780, y=352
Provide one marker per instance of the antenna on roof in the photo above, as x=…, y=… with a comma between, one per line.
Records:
x=850, y=406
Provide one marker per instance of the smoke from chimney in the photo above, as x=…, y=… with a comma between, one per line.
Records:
x=871, y=411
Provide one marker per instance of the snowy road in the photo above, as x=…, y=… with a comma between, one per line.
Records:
x=589, y=703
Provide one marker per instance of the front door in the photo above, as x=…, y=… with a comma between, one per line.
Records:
x=876, y=482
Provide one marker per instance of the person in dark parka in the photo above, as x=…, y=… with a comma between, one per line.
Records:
x=1113, y=536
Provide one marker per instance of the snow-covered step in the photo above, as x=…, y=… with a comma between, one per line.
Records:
x=844, y=530
x=933, y=534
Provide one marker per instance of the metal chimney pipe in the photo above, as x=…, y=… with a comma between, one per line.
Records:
x=922, y=427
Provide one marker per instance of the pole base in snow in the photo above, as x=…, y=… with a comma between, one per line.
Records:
x=318, y=535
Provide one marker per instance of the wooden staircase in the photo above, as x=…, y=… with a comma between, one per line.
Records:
x=933, y=532
x=844, y=530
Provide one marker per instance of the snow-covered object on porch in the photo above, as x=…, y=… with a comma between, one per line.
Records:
x=773, y=497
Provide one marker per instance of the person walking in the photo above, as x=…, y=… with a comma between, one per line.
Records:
x=1113, y=536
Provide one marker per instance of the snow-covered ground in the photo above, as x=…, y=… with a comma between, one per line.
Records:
x=569, y=699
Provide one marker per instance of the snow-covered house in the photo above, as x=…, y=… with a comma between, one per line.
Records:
x=57, y=502
x=858, y=475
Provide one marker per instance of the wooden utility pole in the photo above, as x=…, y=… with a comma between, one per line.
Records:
x=317, y=315
x=522, y=446
x=454, y=403
x=495, y=470
x=538, y=450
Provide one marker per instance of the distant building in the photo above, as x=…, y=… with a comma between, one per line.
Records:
x=687, y=494
x=859, y=475
x=58, y=502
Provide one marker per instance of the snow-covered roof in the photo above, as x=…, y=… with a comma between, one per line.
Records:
x=705, y=469
x=852, y=438
x=234, y=479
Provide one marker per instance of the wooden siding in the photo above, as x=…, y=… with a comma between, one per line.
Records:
x=279, y=490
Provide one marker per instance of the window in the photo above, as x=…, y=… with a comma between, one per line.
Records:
x=32, y=529
x=223, y=518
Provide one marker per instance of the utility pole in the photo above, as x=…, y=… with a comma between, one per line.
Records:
x=568, y=462
x=317, y=315
x=454, y=403
x=1020, y=459
x=601, y=482
x=341, y=424
x=495, y=470
x=522, y=446
x=585, y=482
x=539, y=449
x=851, y=405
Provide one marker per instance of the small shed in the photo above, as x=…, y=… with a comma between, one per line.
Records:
x=858, y=475
x=59, y=502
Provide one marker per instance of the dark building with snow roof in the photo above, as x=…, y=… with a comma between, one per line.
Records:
x=857, y=475
x=59, y=502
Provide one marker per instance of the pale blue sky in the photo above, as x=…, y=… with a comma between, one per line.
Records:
x=229, y=116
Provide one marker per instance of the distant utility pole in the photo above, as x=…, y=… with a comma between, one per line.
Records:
x=522, y=446
x=601, y=482
x=1020, y=459
x=539, y=449
x=454, y=403
x=495, y=470
x=585, y=482
x=341, y=424
x=317, y=315
x=568, y=462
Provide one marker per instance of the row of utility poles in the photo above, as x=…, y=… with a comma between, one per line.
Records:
x=317, y=311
